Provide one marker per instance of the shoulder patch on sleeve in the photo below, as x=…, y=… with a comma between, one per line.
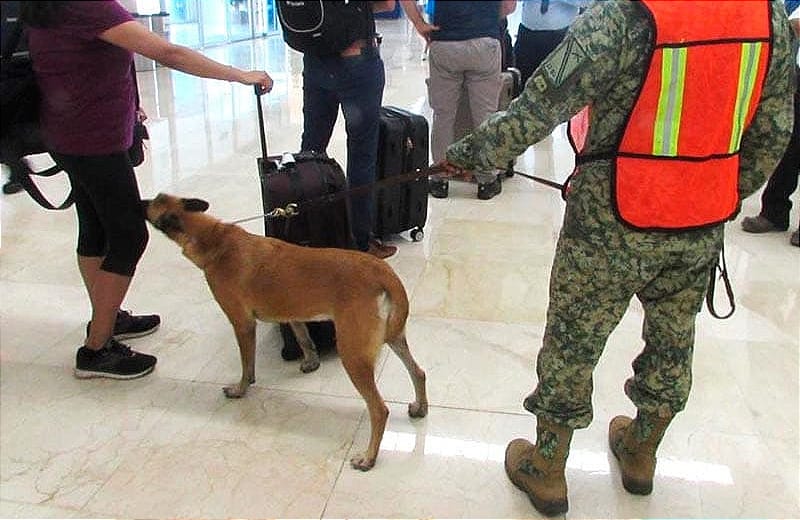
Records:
x=564, y=61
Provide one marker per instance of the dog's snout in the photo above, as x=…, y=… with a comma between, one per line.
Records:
x=145, y=205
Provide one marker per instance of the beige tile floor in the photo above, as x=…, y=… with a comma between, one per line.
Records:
x=170, y=445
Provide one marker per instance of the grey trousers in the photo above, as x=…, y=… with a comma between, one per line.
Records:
x=471, y=65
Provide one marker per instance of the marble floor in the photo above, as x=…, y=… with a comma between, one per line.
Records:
x=171, y=445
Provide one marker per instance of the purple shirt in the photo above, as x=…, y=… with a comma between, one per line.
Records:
x=89, y=97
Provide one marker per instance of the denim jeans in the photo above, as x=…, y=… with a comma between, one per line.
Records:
x=356, y=83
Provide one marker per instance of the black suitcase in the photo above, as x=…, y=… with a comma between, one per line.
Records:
x=511, y=88
x=402, y=148
x=298, y=178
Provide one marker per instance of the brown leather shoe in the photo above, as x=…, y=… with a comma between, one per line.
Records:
x=379, y=250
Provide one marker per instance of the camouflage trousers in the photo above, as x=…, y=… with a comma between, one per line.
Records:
x=591, y=285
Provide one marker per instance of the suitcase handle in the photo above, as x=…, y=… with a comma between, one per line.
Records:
x=262, y=133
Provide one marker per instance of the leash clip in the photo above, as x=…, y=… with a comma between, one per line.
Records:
x=289, y=211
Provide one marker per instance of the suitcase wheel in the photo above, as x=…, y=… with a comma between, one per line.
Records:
x=417, y=234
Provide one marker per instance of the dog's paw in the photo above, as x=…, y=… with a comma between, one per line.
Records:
x=309, y=366
x=416, y=409
x=363, y=463
x=234, y=391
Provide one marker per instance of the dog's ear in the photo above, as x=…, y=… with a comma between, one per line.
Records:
x=168, y=222
x=194, y=205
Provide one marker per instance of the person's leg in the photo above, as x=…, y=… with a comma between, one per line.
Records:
x=360, y=89
x=776, y=204
x=445, y=95
x=482, y=83
x=12, y=184
x=589, y=292
x=92, y=245
x=320, y=105
x=663, y=370
x=444, y=90
x=12, y=149
x=112, y=237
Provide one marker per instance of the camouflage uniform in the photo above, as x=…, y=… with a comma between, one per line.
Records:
x=600, y=263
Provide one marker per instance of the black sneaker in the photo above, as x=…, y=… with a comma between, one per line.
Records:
x=129, y=326
x=438, y=188
x=115, y=360
x=488, y=190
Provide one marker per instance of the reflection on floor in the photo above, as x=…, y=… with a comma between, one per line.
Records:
x=171, y=445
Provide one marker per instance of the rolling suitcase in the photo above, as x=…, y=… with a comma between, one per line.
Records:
x=512, y=87
x=402, y=148
x=298, y=178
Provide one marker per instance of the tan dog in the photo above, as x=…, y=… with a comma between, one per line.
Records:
x=254, y=277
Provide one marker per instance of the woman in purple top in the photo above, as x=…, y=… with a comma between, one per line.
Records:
x=82, y=58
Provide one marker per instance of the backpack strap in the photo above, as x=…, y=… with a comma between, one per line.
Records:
x=22, y=174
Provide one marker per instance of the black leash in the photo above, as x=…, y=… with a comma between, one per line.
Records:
x=295, y=208
x=553, y=184
x=722, y=267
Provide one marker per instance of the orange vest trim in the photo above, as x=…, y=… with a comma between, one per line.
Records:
x=677, y=164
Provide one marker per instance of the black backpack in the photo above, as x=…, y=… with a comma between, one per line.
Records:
x=324, y=27
x=19, y=93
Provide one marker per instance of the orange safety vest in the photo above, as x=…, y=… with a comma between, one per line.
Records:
x=677, y=163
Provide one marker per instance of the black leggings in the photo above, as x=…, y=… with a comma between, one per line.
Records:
x=110, y=217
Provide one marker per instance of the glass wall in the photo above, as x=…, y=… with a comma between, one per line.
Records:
x=204, y=23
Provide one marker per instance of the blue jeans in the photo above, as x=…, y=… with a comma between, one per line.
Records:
x=356, y=83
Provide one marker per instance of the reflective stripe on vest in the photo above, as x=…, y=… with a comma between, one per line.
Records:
x=677, y=163
x=748, y=69
x=670, y=102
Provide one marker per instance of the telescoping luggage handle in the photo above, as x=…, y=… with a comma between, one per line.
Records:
x=261, y=132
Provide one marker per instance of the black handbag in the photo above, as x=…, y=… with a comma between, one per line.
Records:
x=136, y=151
x=140, y=134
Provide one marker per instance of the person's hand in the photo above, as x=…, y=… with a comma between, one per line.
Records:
x=446, y=169
x=257, y=77
x=425, y=29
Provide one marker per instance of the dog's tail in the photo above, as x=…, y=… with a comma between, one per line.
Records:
x=398, y=308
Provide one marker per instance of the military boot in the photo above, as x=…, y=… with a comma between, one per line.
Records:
x=538, y=470
x=634, y=443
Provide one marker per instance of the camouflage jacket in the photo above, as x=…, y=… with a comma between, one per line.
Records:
x=601, y=63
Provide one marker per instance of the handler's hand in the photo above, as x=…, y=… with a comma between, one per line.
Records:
x=452, y=171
